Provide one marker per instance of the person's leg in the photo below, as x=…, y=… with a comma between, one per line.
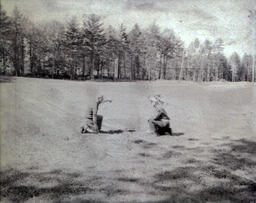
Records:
x=162, y=127
x=151, y=125
x=155, y=126
x=99, y=121
x=167, y=130
x=89, y=127
x=82, y=129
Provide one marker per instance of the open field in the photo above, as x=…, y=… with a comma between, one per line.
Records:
x=210, y=158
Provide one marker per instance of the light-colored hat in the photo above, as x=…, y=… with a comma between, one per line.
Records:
x=155, y=100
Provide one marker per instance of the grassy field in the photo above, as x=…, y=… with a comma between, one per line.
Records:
x=210, y=158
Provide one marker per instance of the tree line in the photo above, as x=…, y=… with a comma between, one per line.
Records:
x=88, y=51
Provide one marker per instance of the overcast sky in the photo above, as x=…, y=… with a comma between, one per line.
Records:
x=190, y=19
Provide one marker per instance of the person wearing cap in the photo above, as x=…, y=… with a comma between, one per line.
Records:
x=93, y=120
x=160, y=123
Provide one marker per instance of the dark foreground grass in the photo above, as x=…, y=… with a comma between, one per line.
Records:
x=175, y=184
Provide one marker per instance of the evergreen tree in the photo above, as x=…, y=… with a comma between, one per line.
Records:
x=5, y=41
x=93, y=39
x=153, y=52
x=72, y=46
x=124, y=48
x=234, y=62
x=56, y=41
x=18, y=41
x=135, y=47
x=246, y=69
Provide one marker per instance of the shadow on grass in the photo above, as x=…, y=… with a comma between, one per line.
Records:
x=145, y=144
x=13, y=188
x=245, y=146
x=126, y=179
x=170, y=154
x=53, y=186
x=139, y=141
x=178, y=185
x=232, y=161
x=149, y=145
x=226, y=187
x=173, y=134
x=144, y=154
x=238, y=157
x=178, y=147
x=118, y=131
x=193, y=139
x=178, y=173
x=177, y=134
x=237, y=190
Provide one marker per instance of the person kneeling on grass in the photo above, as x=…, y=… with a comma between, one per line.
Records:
x=160, y=123
x=93, y=120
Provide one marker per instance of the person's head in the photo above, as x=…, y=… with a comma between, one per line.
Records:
x=156, y=101
x=100, y=99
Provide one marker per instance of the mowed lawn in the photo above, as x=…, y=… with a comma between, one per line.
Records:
x=210, y=158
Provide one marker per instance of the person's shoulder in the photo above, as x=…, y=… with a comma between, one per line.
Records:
x=161, y=109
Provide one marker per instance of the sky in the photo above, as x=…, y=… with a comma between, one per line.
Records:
x=190, y=19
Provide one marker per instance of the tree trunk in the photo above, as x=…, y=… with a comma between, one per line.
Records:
x=194, y=74
x=132, y=72
x=181, y=66
x=233, y=74
x=119, y=66
x=101, y=70
x=83, y=65
x=217, y=73
x=4, y=62
x=163, y=71
x=144, y=68
x=124, y=67
x=98, y=69
x=137, y=67
x=208, y=73
x=22, y=56
x=160, y=67
x=208, y=70
x=92, y=66
x=108, y=68
x=254, y=52
x=15, y=59
x=200, y=74
x=248, y=73
x=253, y=67
x=54, y=63
x=165, y=66
x=30, y=57
x=186, y=74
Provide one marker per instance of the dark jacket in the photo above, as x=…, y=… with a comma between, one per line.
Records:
x=161, y=114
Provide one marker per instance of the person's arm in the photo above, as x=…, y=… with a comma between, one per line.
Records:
x=158, y=116
x=162, y=114
x=106, y=101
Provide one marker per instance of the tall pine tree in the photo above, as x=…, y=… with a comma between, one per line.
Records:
x=93, y=39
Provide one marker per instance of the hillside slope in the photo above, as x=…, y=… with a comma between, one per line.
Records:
x=44, y=156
